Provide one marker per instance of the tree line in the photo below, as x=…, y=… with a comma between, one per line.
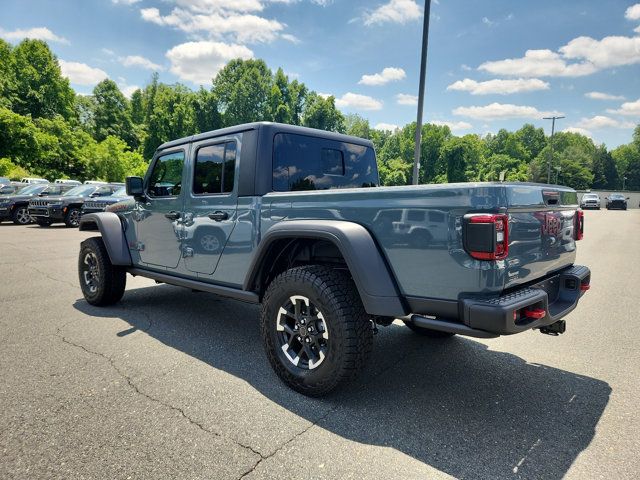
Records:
x=48, y=130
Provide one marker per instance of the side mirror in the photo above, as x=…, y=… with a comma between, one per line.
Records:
x=606, y=198
x=135, y=187
x=628, y=198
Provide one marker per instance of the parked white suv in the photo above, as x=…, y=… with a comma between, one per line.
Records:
x=590, y=200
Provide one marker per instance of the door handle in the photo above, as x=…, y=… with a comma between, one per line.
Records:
x=219, y=216
x=172, y=215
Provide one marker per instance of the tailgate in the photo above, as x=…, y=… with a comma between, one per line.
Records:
x=542, y=231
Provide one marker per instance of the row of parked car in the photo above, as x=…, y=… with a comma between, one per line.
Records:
x=613, y=201
x=64, y=201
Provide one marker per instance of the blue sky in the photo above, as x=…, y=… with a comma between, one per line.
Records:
x=492, y=65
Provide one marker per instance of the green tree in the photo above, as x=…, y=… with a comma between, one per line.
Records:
x=242, y=88
x=532, y=139
x=112, y=160
x=7, y=75
x=322, y=113
x=112, y=113
x=357, y=126
x=40, y=89
x=395, y=172
x=491, y=168
x=207, y=117
x=462, y=156
x=85, y=106
x=136, y=107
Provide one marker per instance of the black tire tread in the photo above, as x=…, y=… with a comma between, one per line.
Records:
x=338, y=290
x=114, y=278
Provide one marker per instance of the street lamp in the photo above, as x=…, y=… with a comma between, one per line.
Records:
x=624, y=181
x=423, y=74
x=553, y=129
x=558, y=170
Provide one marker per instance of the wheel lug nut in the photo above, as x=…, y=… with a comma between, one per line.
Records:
x=307, y=340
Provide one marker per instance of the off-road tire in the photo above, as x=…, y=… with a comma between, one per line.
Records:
x=348, y=325
x=20, y=216
x=427, y=332
x=72, y=219
x=110, y=280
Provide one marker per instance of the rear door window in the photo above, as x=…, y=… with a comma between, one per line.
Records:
x=215, y=169
x=309, y=163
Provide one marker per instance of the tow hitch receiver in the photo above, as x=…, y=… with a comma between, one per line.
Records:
x=554, y=329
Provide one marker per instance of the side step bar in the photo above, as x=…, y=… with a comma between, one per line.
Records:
x=236, y=294
x=451, y=327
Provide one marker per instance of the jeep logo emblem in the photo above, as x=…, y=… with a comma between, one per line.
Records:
x=552, y=225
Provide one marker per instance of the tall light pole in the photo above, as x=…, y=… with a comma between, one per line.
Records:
x=624, y=181
x=423, y=74
x=553, y=130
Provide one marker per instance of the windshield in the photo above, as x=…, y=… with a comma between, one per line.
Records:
x=121, y=192
x=590, y=195
x=81, y=191
x=4, y=180
x=31, y=189
x=617, y=196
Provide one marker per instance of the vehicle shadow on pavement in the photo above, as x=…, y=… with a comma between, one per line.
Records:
x=452, y=404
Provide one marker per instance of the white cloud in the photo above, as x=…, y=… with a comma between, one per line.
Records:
x=108, y=52
x=633, y=12
x=537, y=63
x=36, y=33
x=581, y=56
x=218, y=20
x=500, y=111
x=125, y=2
x=199, y=62
x=631, y=109
x=454, y=126
x=601, y=121
x=609, y=52
x=389, y=74
x=140, y=61
x=395, y=11
x=501, y=87
x=603, y=96
x=358, y=102
x=406, y=99
x=581, y=131
x=637, y=29
x=387, y=127
x=81, y=73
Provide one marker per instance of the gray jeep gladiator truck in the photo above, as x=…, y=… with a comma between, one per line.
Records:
x=294, y=219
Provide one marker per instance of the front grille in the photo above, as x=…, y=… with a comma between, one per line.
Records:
x=94, y=205
x=38, y=203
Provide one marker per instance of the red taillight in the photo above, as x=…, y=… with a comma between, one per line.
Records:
x=498, y=240
x=579, y=224
x=584, y=287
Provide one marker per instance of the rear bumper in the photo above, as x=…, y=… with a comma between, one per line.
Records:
x=550, y=299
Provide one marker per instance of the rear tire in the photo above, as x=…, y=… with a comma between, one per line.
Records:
x=315, y=330
x=101, y=282
x=427, y=332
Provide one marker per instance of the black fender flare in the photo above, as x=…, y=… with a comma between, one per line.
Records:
x=110, y=227
x=367, y=265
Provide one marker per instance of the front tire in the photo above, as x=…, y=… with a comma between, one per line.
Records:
x=21, y=216
x=315, y=330
x=101, y=282
x=72, y=220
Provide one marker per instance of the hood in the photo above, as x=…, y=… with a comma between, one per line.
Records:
x=16, y=198
x=110, y=199
x=59, y=199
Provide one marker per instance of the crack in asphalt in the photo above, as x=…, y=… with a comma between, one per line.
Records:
x=47, y=275
x=325, y=415
x=136, y=389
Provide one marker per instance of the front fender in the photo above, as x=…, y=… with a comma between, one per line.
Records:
x=110, y=227
x=366, y=263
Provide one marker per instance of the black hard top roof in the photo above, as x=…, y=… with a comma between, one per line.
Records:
x=268, y=127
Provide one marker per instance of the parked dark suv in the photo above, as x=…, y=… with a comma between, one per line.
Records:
x=100, y=204
x=15, y=207
x=66, y=208
x=616, y=201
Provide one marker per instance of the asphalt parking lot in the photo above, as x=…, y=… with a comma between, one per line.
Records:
x=175, y=384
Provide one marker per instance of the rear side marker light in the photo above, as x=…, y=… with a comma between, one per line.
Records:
x=579, y=225
x=536, y=313
x=584, y=287
x=500, y=236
